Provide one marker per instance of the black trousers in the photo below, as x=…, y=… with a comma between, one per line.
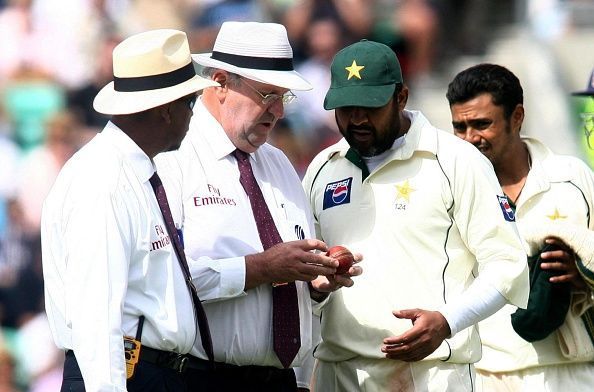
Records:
x=147, y=378
x=229, y=378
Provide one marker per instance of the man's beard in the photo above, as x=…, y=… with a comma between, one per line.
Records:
x=379, y=144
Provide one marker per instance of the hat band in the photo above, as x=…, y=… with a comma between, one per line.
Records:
x=154, y=82
x=267, y=63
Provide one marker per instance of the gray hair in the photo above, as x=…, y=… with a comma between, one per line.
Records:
x=208, y=72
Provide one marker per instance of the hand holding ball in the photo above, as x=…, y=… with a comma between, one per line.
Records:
x=344, y=256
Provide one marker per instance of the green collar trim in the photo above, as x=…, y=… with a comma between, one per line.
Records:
x=355, y=158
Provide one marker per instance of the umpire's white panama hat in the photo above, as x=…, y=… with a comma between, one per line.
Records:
x=150, y=69
x=257, y=51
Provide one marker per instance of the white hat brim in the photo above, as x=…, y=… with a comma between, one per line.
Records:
x=291, y=80
x=110, y=101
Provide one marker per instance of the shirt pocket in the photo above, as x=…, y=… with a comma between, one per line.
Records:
x=294, y=225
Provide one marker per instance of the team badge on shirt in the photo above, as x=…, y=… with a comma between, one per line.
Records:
x=403, y=193
x=556, y=215
x=508, y=212
x=337, y=193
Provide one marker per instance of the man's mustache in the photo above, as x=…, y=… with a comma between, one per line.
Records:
x=352, y=128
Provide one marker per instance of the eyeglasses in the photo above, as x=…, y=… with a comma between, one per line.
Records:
x=588, y=124
x=267, y=99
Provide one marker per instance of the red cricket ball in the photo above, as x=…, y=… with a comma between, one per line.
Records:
x=344, y=256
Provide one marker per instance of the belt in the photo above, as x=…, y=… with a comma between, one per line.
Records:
x=166, y=359
x=202, y=364
x=263, y=373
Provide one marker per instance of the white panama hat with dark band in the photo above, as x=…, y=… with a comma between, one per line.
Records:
x=150, y=69
x=257, y=51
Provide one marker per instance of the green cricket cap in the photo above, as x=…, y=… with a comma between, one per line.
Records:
x=363, y=74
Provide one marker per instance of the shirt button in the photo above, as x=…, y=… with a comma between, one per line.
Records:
x=294, y=340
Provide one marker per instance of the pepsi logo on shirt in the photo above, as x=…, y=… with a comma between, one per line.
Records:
x=508, y=212
x=337, y=193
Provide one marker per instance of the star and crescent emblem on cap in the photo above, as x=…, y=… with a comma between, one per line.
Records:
x=354, y=70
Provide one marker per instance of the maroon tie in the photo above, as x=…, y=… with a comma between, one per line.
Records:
x=181, y=257
x=285, y=308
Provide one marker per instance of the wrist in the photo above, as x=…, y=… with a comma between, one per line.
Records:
x=255, y=275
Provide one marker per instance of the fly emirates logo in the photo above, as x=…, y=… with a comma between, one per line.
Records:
x=214, y=198
x=163, y=240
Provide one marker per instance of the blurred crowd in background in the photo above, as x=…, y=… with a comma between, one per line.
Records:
x=55, y=55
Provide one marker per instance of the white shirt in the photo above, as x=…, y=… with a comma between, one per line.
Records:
x=107, y=259
x=202, y=183
x=558, y=188
x=481, y=299
x=426, y=220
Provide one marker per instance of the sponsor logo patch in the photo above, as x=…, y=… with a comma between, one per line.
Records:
x=163, y=238
x=213, y=198
x=508, y=212
x=337, y=193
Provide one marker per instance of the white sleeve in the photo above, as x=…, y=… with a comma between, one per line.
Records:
x=220, y=279
x=496, y=246
x=96, y=278
x=479, y=301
